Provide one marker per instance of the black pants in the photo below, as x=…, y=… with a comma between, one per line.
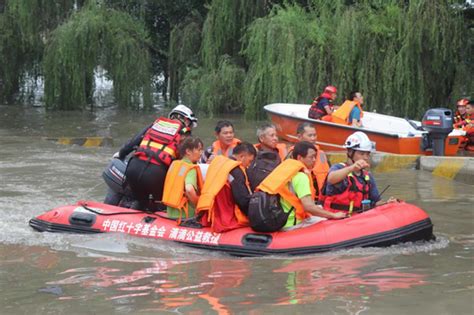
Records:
x=146, y=181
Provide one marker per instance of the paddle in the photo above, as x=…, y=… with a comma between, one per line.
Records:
x=380, y=195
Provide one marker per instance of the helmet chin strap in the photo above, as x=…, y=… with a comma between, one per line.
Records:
x=350, y=154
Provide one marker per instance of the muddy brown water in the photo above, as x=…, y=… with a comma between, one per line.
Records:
x=44, y=273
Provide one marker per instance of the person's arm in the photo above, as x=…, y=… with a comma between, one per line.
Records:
x=191, y=194
x=132, y=144
x=205, y=155
x=240, y=191
x=337, y=176
x=355, y=117
x=328, y=109
x=313, y=209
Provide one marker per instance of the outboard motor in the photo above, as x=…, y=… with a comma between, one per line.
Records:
x=119, y=192
x=439, y=123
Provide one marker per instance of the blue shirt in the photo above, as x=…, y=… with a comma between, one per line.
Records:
x=323, y=102
x=340, y=187
x=355, y=114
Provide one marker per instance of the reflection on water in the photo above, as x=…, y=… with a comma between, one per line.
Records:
x=222, y=284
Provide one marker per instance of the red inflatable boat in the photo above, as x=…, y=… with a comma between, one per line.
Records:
x=382, y=226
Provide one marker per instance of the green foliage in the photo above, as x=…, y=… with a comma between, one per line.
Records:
x=276, y=49
x=93, y=37
x=185, y=41
x=25, y=24
x=215, y=91
x=404, y=56
x=225, y=24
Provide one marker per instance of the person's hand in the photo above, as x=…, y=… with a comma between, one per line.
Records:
x=359, y=165
x=209, y=160
x=339, y=215
x=392, y=199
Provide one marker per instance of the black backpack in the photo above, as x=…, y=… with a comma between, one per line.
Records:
x=265, y=212
x=265, y=162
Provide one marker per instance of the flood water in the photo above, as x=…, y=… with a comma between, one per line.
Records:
x=45, y=273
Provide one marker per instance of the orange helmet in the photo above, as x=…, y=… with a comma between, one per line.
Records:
x=463, y=102
x=330, y=89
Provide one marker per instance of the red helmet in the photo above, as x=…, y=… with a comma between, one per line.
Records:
x=463, y=102
x=330, y=89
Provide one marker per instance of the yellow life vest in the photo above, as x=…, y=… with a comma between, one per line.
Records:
x=276, y=183
x=174, y=192
x=320, y=170
x=341, y=115
x=216, y=177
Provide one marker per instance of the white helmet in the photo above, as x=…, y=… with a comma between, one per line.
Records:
x=360, y=142
x=186, y=112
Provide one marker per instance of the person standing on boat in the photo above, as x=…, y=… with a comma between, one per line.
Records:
x=323, y=104
x=268, y=141
x=348, y=184
x=306, y=132
x=155, y=148
x=350, y=112
x=184, y=180
x=224, y=144
x=224, y=199
x=460, y=114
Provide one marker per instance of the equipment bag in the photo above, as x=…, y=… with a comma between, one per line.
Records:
x=265, y=212
x=264, y=163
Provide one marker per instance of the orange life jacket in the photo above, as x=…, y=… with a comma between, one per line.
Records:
x=341, y=115
x=217, y=149
x=280, y=147
x=352, y=196
x=458, y=119
x=216, y=177
x=320, y=169
x=467, y=120
x=277, y=183
x=174, y=192
x=159, y=144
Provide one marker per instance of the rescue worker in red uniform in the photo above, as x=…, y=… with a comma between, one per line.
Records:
x=348, y=184
x=155, y=148
x=460, y=114
x=323, y=104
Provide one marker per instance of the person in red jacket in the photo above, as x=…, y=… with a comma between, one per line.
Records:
x=460, y=114
x=155, y=148
x=323, y=104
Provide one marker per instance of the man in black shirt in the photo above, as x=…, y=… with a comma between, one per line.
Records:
x=245, y=153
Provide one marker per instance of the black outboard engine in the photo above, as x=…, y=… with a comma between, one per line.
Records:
x=119, y=192
x=439, y=123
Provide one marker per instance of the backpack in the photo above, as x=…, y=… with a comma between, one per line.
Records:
x=265, y=162
x=265, y=212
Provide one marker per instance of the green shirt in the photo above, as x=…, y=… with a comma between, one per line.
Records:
x=191, y=178
x=301, y=186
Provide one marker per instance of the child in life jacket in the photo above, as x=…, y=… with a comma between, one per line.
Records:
x=183, y=180
x=348, y=184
